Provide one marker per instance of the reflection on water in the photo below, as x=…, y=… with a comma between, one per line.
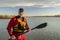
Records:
x=51, y=32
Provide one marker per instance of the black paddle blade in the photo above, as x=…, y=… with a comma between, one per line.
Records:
x=40, y=26
x=10, y=39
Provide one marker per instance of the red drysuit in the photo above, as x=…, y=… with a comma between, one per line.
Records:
x=19, y=36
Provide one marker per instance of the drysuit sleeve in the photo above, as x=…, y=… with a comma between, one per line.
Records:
x=10, y=24
x=28, y=28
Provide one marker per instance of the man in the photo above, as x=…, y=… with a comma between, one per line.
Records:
x=19, y=25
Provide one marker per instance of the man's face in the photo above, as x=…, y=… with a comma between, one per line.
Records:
x=21, y=13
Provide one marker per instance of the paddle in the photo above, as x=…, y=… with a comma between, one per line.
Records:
x=40, y=26
x=37, y=27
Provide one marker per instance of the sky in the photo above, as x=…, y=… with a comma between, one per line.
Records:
x=31, y=7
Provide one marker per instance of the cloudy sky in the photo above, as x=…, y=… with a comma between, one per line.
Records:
x=32, y=7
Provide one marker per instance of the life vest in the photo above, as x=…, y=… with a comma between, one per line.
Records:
x=20, y=26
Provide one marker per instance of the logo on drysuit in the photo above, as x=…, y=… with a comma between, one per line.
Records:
x=20, y=26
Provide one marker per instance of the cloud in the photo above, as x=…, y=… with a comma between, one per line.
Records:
x=34, y=3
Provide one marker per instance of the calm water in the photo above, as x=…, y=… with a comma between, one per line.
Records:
x=51, y=32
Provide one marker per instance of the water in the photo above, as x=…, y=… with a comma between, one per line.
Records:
x=51, y=32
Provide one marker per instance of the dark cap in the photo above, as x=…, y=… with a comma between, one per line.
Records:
x=21, y=10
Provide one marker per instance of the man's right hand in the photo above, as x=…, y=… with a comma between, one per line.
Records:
x=13, y=37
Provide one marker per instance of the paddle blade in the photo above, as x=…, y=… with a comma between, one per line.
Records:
x=40, y=26
x=10, y=39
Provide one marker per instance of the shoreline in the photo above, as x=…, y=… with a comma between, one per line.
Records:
x=31, y=16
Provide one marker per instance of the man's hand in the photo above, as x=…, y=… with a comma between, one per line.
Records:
x=29, y=30
x=13, y=37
